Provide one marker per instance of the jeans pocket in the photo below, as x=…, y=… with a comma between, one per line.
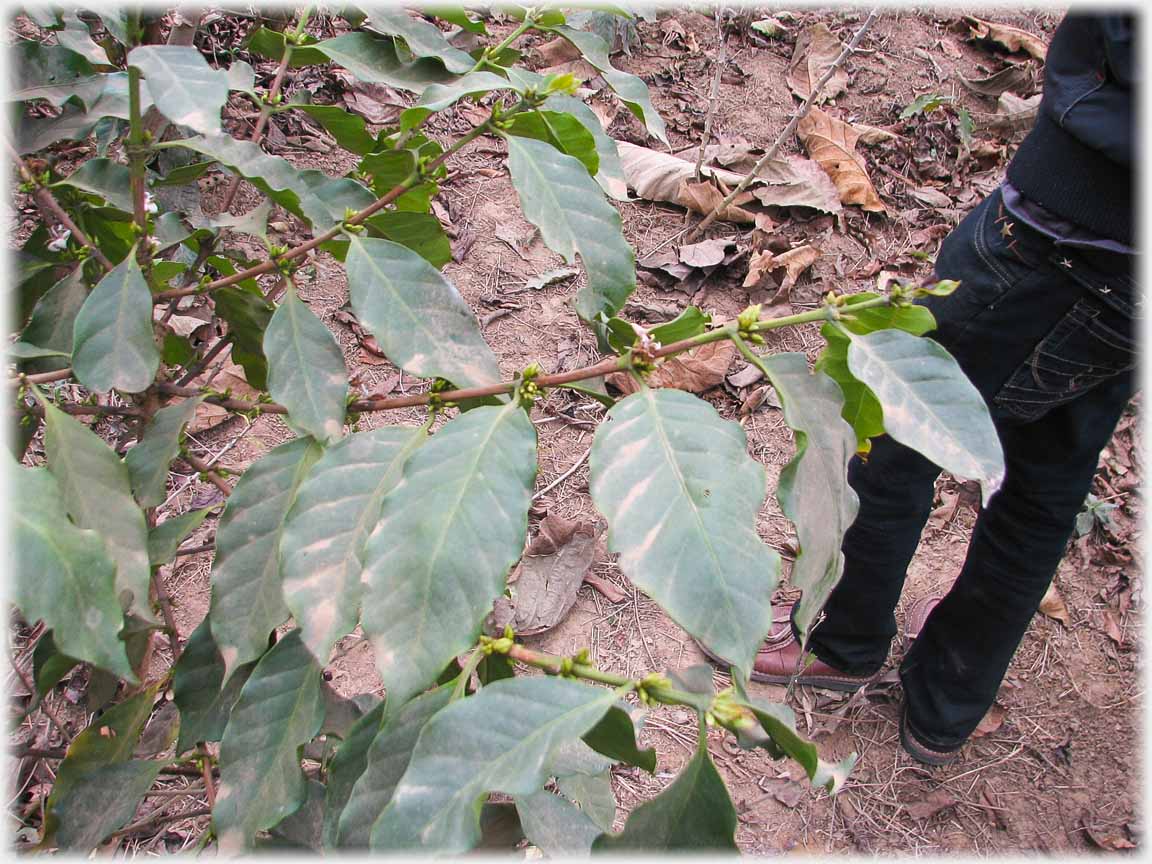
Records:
x=1089, y=345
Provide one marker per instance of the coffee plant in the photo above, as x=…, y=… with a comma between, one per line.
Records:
x=404, y=532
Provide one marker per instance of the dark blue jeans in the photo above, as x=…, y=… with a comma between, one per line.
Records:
x=1046, y=335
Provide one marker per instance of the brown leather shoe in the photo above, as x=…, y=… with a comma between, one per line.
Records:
x=917, y=615
x=779, y=658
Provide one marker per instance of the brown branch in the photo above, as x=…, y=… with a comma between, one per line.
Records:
x=195, y=550
x=89, y=410
x=206, y=470
x=799, y=115
x=202, y=364
x=166, y=610
x=713, y=98
x=60, y=725
x=160, y=819
x=41, y=378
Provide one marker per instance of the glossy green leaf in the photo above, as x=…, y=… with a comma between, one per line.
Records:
x=261, y=779
x=184, y=88
x=929, y=404
x=164, y=540
x=347, y=128
x=813, y=488
x=916, y=320
x=376, y=61
x=615, y=737
x=681, y=496
x=447, y=536
x=345, y=770
x=113, y=345
x=610, y=175
x=694, y=813
x=423, y=39
x=302, y=830
x=335, y=510
x=778, y=735
x=592, y=793
x=691, y=322
x=437, y=97
x=563, y=131
x=306, y=372
x=196, y=687
x=559, y=198
x=420, y=232
x=97, y=493
x=861, y=408
x=74, y=123
x=632, y=91
x=271, y=43
x=25, y=351
x=64, y=574
x=53, y=318
x=457, y=15
x=51, y=72
x=555, y=825
x=75, y=36
x=417, y=316
x=247, y=596
x=461, y=755
x=389, y=169
x=247, y=314
x=102, y=801
x=149, y=460
x=388, y=758
x=105, y=178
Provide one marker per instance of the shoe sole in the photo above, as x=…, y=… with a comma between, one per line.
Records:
x=840, y=685
x=918, y=751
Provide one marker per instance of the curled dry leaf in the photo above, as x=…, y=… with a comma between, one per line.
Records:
x=704, y=197
x=1013, y=114
x=794, y=262
x=991, y=722
x=930, y=197
x=551, y=572
x=1016, y=76
x=873, y=135
x=556, y=51
x=816, y=50
x=935, y=802
x=705, y=253
x=695, y=371
x=832, y=143
x=1053, y=606
x=1112, y=627
x=1011, y=38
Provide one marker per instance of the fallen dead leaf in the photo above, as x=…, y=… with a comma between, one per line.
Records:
x=1103, y=841
x=935, y=802
x=991, y=722
x=831, y=143
x=694, y=371
x=675, y=34
x=873, y=135
x=794, y=262
x=1013, y=114
x=611, y=592
x=556, y=51
x=746, y=377
x=816, y=50
x=1112, y=627
x=706, y=253
x=758, y=397
x=1015, y=76
x=930, y=197
x=550, y=573
x=550, y=277
x=1012, y=38
x=942, y=515
x=230, y=377
x=376, y=103
x=704, y=198
x=734, y=154
x=1053, y=606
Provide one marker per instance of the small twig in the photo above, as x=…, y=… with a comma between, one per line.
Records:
x=206, y=471
x=195, y=550
x=49, y=712
x=162, y=818
x=37, y=753
x=713, y=97
x=40, y=378
x=166, y=610
x=203, y=363
x=209, y=784
x=799, y=115
x=562, y=477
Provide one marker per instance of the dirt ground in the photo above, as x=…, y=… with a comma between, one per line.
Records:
x=1056, y=766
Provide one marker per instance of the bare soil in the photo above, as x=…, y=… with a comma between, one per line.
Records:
x=1057, y=767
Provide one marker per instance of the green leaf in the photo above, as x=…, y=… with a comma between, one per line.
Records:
x=302, y=829
x=813, y=488
x=559, y=198
x=347, y=128
x=681, y=496
x=457, y=15
x=861, y=408
x=691, y=322
x=388, y=758
x=176, y=351
x=376, y=61
x=335, y=510
x=75, y=123
x=53, y=318
x=615, y=737
x=164, y=540
x=271, y=43
x=105, y=178
x=261, y=779
x=102, y=801
x=496, y=667
x=593, y=794
x=632, y=91
x=346, y=768
x=461, y=755
x=51, y=72
x=778, y=735
x=196, y=687
x=562, y=131
x=25, y=351
x=149, y=460
x=113, y=345
x=447, y=536
x=184, y=174
x=610, y=175
x=247, y=597
x=96, y=492
x=423, y=39
x=557, y=826
x=437, y=97
x=420, y=232
x=108, y=740
x=247, y=314
x=389, y=169
x=930, y=405
x=77, y=37
x=694, y=813
x=925, y=103
x=916, y=320
x=306, y=372
x=184, y=88
x=64, y=575
x=310, y=194
x=417, y=316
x=49, y=663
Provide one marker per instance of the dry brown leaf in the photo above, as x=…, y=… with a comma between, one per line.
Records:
x=556, y=51
x=746, y=377
x=735, y=154
x=1013, y=114
x=930, y=197
x=611, y=592
x=936, y=801
x=991, y=721
x=816, y=50
x=704, y=198
x=831, y=143
x=695, y=371
x=1016, y=76
x=1053, y=606
x=873, y=135
x=551, y=572
x=1012, y=38
x=706, y=253
x=1112, y=627
x=794, y=262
